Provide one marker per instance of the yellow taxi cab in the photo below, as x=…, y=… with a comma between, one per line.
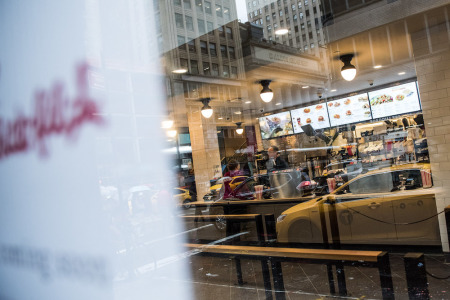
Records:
x=181, y=196
x=392, y=206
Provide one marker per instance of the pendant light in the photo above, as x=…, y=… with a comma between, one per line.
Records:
x=207, y=111
x=266, y=93
x=348, y=71
x=239, y=129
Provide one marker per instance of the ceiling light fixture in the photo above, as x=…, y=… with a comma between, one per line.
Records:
x=279, y=103
x=238, y=112
x=239, y=129
x=266, y=93
x=348, y=71
x=305, y=87
x=172, y=133
x=377, y=66
x=207, y=111
x=180, y=71
x=402, y=73
x=167, y=124
x=281, y=31
x=248, y=102
x=333, y=90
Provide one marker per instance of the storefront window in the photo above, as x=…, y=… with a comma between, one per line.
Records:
x=261, y=166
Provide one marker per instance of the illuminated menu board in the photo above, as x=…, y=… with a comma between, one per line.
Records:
x=394, y=100
x=276, y=125
x=315, y=115
x=349, y=110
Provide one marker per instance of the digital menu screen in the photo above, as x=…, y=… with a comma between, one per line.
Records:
x=276, y=125
x=394, y=100
x=315, y=115
x=349, y=110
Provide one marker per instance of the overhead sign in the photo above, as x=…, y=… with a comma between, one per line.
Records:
x=287, y=59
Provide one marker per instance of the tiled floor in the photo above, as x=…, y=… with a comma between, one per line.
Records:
x=215, y=278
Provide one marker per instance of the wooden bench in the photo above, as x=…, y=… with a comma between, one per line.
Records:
x=276, y=255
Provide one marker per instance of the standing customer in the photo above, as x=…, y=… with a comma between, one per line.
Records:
x=275, y=162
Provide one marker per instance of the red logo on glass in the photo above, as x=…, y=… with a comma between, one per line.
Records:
x=55, y=113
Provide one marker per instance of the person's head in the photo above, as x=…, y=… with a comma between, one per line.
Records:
x=233, y=165
x=273, y=151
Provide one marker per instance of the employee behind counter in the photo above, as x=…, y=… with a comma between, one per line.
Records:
x=275, y=162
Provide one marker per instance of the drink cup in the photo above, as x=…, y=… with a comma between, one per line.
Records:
x=258, y=191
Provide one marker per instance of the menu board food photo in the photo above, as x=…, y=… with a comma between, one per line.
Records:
x=394, y=100
x=315, y=115
x=349, y=110
x=276, y=125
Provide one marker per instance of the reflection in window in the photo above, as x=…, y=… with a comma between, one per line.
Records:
x=191, y=45
x=201, y=26
x=208, y=8
x=378, y=183
x=194, y=67
x=226, y=12
x=223, y=51
x=187, y=4
x=215, y=70
x=225, y=72
x=210, y=27
x=206, y=68
x=184, y=63
x=229, y=33
x=233, y=72
x=177, y=2
x=189, y=23
x=199, y=4
x=218, y=10
x=221, y=32
x=181, y=40
x=179, y=20
x=203, y=47
x=212, y=49
x=232, y=52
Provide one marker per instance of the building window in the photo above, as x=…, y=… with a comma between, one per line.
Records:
x=272, y=5
x=233, y=72
x=280, y=12
x=307, y=12
x=269, y=29
x=218, y=10
x=274, y=16
x=212, y=49
x=201, y=26
x=225, y=71
x=299, y=4
x=177, y=2
x=210, y=27
x=194, y=67
x=226, y=12
x=267, y=18
x=181, y=40
x=295, y=18
x=215, y=70
x=208, y=8
x=187, y=4
x=206, y=68
x=266, y=8
x=286, y=10
x=312, y=45
x=203, y=47
x=306, y=2
x=179, y=20
x=297, y=39
x=223, y=51
x=199, y=5
x=189, y=23
x=184, y=63
x=221, y=31
x=301, y=16
x=293, y=7
x=229, y=33
x=232, y=52
x=191, y=45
